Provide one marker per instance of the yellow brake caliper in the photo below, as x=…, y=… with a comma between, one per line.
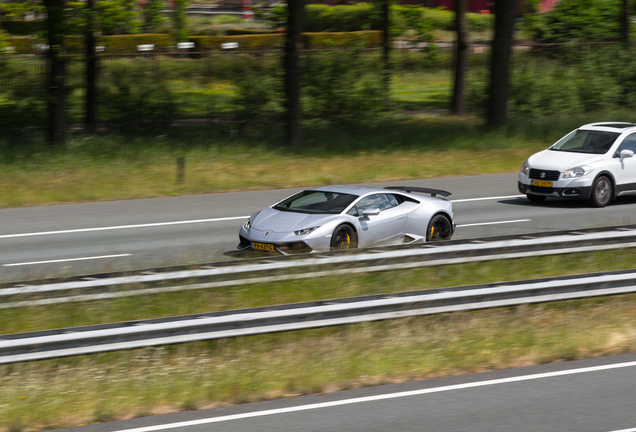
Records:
x=432, y=229
x=348, y=242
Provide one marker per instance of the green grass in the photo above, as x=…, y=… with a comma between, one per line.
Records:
x=305, y=290
x=125, y=165
x=73, y=391
x=418, y=91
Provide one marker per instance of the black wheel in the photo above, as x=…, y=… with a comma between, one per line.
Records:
x=601, y=192
x=344, y=237
x=439, y=228
x=536, y=198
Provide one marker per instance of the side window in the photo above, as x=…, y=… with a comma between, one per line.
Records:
x=629, y=143
x=379, y=201
x=393, y=200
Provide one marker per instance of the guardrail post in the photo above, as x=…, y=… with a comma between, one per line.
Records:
x=180, y=170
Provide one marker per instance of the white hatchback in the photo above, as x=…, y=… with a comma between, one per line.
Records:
x=594, y=162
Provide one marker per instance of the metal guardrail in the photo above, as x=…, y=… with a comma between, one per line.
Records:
x=139, y=334
x=154, y=281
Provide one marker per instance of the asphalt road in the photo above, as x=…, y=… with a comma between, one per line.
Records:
x=48, y=241
x=596, y=395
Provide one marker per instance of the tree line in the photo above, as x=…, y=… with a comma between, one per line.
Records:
x=505, y=12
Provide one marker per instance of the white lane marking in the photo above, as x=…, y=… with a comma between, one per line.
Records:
x=66, y=260
x=625, y=430
x=79, y=230
x=487, y=198
x=379, y=397
x=494, y=223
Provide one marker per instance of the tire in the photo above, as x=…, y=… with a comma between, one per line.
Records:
x=536, y=198
x=439, y=228
x=344, y=237
x=601, y=192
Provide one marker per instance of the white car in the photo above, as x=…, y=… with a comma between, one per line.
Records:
x=594, y=162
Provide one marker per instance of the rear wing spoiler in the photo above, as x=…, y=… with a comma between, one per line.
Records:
x=431, y=192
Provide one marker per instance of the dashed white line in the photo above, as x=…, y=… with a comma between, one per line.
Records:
x=494, y=223
x=381, y=397
x=487, y=198
x=80, y=230
x=158, y=224
x=66, y=260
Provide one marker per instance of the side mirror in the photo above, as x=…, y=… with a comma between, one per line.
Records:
x=370, y=212
x=625, y=154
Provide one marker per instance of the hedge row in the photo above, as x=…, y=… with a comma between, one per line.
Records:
x=21, y=44
x=325, y=18
x=163, y=42
x=369, y=38
x=18, y=28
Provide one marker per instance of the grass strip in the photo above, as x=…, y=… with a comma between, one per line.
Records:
x=221, y=158
x=22, y=320
x=119, y=385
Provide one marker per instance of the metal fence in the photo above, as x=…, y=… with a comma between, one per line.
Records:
x=26, y=74
x=214, y=63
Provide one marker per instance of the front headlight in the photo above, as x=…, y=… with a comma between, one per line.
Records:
x=247, y=225
x=525, y=168
x=306, y=230
x=578, y=171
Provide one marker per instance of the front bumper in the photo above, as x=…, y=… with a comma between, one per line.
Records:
x=285, y=243
x=288, y=248
x=575, y=192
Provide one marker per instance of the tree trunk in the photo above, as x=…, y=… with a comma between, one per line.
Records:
x=386, y=45
x=625, y=22
x=293, y=41
x=461, y=58
x=91, y=68
x=500, y=62
x=56, y=127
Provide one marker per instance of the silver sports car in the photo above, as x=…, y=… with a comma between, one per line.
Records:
x=346, y=217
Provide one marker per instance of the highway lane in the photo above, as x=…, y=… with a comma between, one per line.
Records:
x=594, y=395
x=37, y=242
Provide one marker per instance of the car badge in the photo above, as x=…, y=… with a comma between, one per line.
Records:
x=266, y=232
x=542, y=175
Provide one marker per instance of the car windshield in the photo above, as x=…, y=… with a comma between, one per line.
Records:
x=586, y=141
x=311, y=201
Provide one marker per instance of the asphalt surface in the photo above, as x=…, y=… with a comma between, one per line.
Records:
x=596, y=395
x=59, y=240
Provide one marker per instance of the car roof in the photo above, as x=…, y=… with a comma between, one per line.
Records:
x=618, y=127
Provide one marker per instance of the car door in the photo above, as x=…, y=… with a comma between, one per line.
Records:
x=384, y=227
x=625, y=172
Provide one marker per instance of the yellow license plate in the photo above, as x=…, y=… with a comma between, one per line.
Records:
x=542, y=183
x=263, y=246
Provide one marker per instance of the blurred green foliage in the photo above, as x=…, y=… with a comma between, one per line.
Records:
x=136, y=99
x=566, y=79
x=117, y=17
x=179, y=21
x=576, y=21
x=342, y=86
x=337, y=86
x=322, y=40
x=365, y=16
x=152, y=15
x=4, y=43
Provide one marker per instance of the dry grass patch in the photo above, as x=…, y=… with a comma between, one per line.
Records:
x=208, y=172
